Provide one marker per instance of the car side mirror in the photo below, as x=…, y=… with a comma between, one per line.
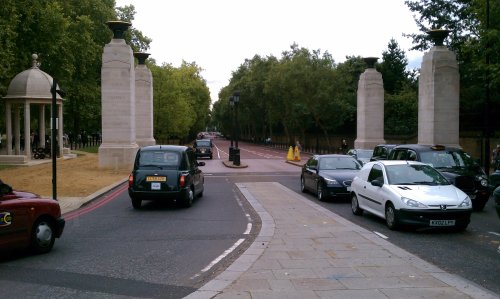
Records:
x=201, y=163
x=377, y=182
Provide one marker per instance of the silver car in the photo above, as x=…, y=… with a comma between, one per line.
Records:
x=409, y=193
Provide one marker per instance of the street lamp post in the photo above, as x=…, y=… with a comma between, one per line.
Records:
x=236, y=150
x=231, y=148
x=53, y=142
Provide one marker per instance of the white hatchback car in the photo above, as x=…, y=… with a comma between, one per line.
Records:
x=409, y=193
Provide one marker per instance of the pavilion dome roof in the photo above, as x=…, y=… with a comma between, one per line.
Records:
x=32, y=83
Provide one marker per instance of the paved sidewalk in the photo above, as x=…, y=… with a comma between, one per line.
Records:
x=306, y=251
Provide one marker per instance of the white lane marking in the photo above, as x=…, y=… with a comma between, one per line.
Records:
x=494, y=233
x=249, y=228
x=218, y=259
x=381, y=235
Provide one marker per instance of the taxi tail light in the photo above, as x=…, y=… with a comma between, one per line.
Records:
x=130, y=180
x=182, y=181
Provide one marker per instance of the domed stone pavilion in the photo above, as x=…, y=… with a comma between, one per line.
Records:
x=31, y=87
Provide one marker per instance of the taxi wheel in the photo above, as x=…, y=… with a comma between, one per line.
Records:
x=391, y=218
x=42, y=236
x=356, y=210
x=188, y=198
x=136, y=203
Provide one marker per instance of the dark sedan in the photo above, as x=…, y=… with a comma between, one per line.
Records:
x=329, y=175
x=166, y=172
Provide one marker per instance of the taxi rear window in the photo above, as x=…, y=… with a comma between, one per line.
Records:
x=161, y=158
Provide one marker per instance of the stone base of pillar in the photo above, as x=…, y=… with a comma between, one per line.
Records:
x=367, y=143
x=145, y=142
x=117, y=156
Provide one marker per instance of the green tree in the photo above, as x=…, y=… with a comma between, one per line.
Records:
x=393, y=68
x=181, y=101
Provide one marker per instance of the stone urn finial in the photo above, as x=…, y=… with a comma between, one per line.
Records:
x=438, y=36
x=370, y=62
x=34, y=61
x=118, y=28
x=141, y=57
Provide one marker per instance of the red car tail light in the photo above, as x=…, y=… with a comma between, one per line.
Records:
x=130, y=180
x=182, y=181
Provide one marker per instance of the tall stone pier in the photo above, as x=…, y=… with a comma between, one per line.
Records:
x=119, y=145
x=143, y=102
x=370, y=107
x=438, y=95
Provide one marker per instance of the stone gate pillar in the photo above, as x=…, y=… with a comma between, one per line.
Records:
x=370, y=107
x=438, y=95
x=143, y=102
x=119, y=145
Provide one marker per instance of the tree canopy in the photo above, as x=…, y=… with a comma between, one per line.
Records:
x=69, y=37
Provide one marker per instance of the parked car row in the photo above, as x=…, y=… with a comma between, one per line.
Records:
x=410, y=184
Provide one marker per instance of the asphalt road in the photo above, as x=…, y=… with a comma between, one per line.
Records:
x=112, y=250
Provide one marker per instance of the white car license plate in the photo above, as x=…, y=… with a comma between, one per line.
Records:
x=155, y=186
x=442, y=223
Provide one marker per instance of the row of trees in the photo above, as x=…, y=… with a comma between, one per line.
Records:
x=307, y=91
x=69, y=36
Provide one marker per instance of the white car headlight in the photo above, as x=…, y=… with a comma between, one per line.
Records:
x=466, y=203
x=331, y=181
x=413, y=203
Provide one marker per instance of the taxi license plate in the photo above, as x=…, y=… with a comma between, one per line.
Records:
x=156, y=179
x=442, y=223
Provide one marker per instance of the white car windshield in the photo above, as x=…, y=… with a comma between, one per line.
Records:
x=408, y=174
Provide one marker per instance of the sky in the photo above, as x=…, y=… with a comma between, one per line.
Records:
x=218, y=35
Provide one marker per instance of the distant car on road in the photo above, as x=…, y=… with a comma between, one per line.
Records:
x=455, y=164
x=166, y=172
x=409, y=193
x=203, y=148
x=362, y=155
x=381, y=152
x=329, y=175
x=28, y=221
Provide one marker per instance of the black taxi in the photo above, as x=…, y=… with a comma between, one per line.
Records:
x=165, y=172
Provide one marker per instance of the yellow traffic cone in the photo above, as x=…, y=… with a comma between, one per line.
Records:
x=289, y=157
x=296, y=156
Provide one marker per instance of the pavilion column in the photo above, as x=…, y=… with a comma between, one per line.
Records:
x=27, y=130
x=41, y=124
x=60, y=130
x=8, y=127
x=17, y=132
